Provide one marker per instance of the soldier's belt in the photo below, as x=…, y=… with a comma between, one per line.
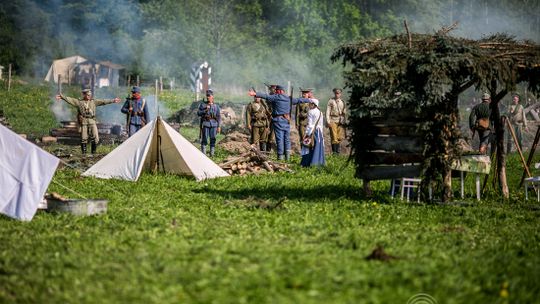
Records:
x=286, y=116
x=86, y=116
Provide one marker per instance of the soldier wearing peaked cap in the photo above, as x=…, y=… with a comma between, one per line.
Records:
x=302, y=110
x=210, y=115
x=136, y=110
x=86, y=107
x=479, y=120
x=271, y=138
x=258, y=122
x=336, y=118
x=518, y=121
x=281, y=109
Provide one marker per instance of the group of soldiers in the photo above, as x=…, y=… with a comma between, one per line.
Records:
x=134, y=107
x=480, y=122
x=268, y=118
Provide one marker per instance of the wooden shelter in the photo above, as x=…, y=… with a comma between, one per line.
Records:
x=404, y=99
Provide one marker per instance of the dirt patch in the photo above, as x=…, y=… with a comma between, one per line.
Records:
x=235, y=142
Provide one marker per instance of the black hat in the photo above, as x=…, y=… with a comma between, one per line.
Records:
x=279, y=87
x=135, y=90
x=209, y=92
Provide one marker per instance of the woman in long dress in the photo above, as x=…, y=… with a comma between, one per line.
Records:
x=313, y=155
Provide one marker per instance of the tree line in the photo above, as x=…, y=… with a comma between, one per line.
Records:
x=246, y=42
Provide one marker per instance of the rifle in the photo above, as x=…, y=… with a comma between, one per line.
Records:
x=201, y=124
x=128, y=117
x=291, y=103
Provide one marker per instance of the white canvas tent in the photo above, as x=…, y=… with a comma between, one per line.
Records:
x=157, y=146
x=66, y=68
x=25, y=173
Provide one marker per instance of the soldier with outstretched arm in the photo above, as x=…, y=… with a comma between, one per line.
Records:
x=86, y=107
x=281, y=119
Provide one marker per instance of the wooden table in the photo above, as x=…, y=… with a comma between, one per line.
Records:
x=479, y=164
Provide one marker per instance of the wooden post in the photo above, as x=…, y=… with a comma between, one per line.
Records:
x=138, y=81
x=160, y=84
x=517, y=147
x=531, y=154
x=9, y=77
x=59, y=88
x=156, y=98
x=408, y=33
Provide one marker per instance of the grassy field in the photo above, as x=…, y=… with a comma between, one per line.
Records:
x=299, y=237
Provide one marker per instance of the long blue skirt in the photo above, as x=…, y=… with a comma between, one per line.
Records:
x=315, y=155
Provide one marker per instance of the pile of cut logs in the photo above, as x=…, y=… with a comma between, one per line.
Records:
x=252, y=162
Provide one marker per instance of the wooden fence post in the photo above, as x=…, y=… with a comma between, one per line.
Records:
x=9, y=77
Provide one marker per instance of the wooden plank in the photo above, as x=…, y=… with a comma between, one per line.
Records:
x=388, y=158
x=387, y=129
x=388, y=172
x=397, y=144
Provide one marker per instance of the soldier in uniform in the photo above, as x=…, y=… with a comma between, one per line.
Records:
x=336, y=119
x=479, y=120
x=258, y=123
x=271, y=138
x=210, y=115
x=281, y=118
x=136, y=110
x=86, y=107
x=302, y=110
x=518, y=121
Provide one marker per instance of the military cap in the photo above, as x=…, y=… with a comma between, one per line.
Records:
x=305, y=90
x=279, y=87
x=209, y=92
x=486, y=96
x=314, y=101
x=135, y=90
x=335, y=90
x=86, y=91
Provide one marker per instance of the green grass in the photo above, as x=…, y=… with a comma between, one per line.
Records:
x=167, y=239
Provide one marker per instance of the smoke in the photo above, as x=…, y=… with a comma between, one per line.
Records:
x=477, y=19
x=61, y=111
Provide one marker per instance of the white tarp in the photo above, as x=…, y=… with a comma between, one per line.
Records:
x=140, y=152
x=25, y=173
x=64, y=67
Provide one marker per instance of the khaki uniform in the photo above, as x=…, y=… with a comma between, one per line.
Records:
x=302, y=110
x=87, y=113
x=518, y=121
x=257, y=120
x=336, y=119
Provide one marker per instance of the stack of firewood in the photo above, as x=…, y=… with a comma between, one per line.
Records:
x=252, y=162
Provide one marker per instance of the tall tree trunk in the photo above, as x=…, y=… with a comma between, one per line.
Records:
x=499, y=138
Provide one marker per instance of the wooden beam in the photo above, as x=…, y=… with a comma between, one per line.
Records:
x=388, y=158
x=397, y=144
x=388, y=172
